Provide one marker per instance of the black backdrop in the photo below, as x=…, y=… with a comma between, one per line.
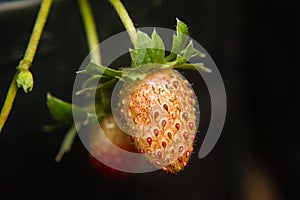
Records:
x=254, y=45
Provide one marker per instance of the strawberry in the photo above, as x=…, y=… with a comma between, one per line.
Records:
x=159, y=111
x=102, y=150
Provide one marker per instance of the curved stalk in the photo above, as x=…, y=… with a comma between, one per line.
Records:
x=126, y=20
x=90, y=29
x=93, y=42
x=23, y=77
x=8, y=103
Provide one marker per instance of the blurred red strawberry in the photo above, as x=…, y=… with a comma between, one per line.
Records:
x=103, y=150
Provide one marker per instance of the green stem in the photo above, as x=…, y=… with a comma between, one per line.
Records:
x=23, y=77
x=8, y=103
x=93, y=42
x=90, y=29
x=120, y=9
x=37, y=32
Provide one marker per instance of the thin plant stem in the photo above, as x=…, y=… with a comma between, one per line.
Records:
x=8, y=103
x=90, y=29
x=126, y=20
x=37, y=31
x=93, y=42
x=25, y=63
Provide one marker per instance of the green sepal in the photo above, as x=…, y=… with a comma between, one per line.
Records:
x=157, y=49
x=193, y=66
x=95, y=69
x=93, y=80
x=189, y=51
x=147, y=49
x=139, y=73
x=101, y=85
x=179, y=40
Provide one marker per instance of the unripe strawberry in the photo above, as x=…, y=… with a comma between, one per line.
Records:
x=159, y=112
x=103, y=150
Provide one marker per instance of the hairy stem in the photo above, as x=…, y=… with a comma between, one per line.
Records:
x=90, y=29
x=23, y=77
x=120, y=9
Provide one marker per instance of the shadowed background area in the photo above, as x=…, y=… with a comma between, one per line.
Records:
x=253, y=44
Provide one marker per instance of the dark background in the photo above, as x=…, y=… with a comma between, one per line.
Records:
x=254, y=44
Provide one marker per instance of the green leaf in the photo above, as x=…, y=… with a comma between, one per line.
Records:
x=179, y=40
x=201, y=67
x=86, y=90
x=95, y=69
x=139, y=73
x=181, y=27
x=200, y=54
x=101, y=85
x=93, y=80
x=180, y=60
x=138, y=56
x=143, y=41
x=193, y=66
x=189, y=51
x=134, y=75
x=62, y=111
x=157, y=49
x=148, y=50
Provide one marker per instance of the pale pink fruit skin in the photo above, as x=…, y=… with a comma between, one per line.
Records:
x=160, y=111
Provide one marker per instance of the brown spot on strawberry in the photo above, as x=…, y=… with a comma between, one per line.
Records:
x=166, y=107
x=175, y=84
x=156, y=114
x=170, y=135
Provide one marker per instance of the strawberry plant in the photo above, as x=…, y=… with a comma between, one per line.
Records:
x=156, y=105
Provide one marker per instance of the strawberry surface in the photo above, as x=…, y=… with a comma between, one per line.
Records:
x=159, y=112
